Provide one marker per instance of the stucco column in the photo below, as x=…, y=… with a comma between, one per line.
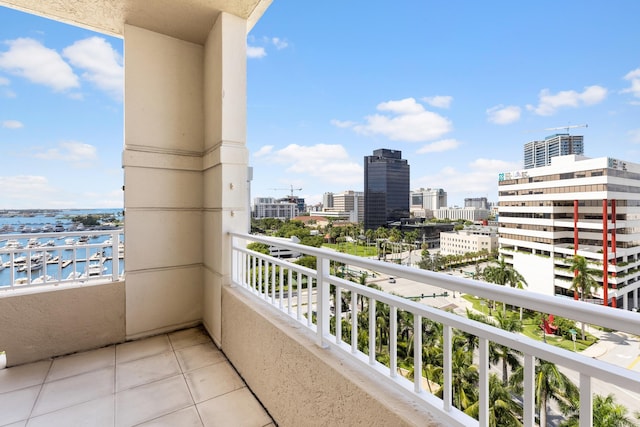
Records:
x=225, y=161
x=163, y=197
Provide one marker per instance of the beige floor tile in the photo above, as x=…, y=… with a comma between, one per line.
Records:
x=238, y=409
x=147, y=370
x=23, y=376
x=199, y=356
x=95, y=413
x=16, y=405
x=188, y=337
x=143, y=348
x=187, y=417
x=82, y=362
x=150, y=401
x=211, y=381
x=74, y=390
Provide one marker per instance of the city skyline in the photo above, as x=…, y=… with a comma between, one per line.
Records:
x=459, y=96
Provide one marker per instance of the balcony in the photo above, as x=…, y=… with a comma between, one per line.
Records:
x=280, y=332
x=186, y=187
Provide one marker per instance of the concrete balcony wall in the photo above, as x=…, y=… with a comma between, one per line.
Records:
x=37, y=325
x=163, y=181
x=301, y=383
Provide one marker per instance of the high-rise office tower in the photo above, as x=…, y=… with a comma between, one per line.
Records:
x=386, y=188
x=539, y=153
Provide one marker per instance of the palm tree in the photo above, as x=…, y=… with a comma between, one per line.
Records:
x=606, y=413
x=503, y=274
x=583, y=281
x=550, y=384
x=503, y=409
x=509, y=357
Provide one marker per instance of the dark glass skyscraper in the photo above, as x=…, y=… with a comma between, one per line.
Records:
x=386, y=188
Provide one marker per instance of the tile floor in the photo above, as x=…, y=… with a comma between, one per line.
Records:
x=177, y=379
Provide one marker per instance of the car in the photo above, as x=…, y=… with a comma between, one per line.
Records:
x=392, y=280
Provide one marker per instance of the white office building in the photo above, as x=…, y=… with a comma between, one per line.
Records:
x=456, y=213
x=348, y=204
x=269, y=207
x=474, y=239
x=577, y=205
x=423, y=202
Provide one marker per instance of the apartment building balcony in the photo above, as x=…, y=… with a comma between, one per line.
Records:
x=187, y=266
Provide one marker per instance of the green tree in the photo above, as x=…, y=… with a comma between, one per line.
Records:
x=503, y=274
x=583, y=281
x=606, y=413
x=550, y=384
x=503, y=409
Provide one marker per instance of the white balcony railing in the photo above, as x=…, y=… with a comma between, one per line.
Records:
x=32, y=260
x=272, y=279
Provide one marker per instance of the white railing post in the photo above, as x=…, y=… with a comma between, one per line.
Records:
x=447, y=334
x=417, y=353
x=484, y=382
x=115, y=256
x=322, y=296
x=393, y=341
x=372, y=331
x=586, y=401
x=529, y=400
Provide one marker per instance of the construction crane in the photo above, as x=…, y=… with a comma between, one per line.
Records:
x=290, y=189
x=561, y=128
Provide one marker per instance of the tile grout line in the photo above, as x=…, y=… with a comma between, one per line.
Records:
x=44, y=381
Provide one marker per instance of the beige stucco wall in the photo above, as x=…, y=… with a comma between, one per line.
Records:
x=162, y=163
x=300, y=383
x=226, y=157
x=43, y=324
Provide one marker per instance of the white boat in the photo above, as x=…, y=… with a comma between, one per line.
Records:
x=12, y=244
x=70, y=241
x=42, y=279
x=95, y=270
x=74, y=275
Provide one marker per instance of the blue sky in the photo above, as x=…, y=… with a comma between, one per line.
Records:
x=458, y=87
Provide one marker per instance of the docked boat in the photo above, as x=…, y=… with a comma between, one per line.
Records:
x=95, y=270
x=12, y=244
x=42, y=279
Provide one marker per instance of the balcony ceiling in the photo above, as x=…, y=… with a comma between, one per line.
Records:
x=188, y=20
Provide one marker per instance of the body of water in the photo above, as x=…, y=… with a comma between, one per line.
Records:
x=84, y=253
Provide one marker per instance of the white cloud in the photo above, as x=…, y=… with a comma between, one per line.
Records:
x=502, y=115
x=343, y=123
x=328, y=162
x=634, y=78
x=256, y=52
x=549, y=103
x=4, y=81
x=30, y=59
x=78, y=153
x=12, y=124
x=634, y=136
x=101, y=63
x=439, y=146
x=479, y=178
x=263, y=151
x=279, y=43
x=23, y=187
x=439, y=101
x=407, y=120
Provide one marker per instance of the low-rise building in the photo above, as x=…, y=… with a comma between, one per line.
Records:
x=473, y=239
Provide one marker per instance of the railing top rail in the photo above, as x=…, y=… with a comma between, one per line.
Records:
x=620, y=320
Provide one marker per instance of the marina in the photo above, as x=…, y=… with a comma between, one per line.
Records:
x=59, y=251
